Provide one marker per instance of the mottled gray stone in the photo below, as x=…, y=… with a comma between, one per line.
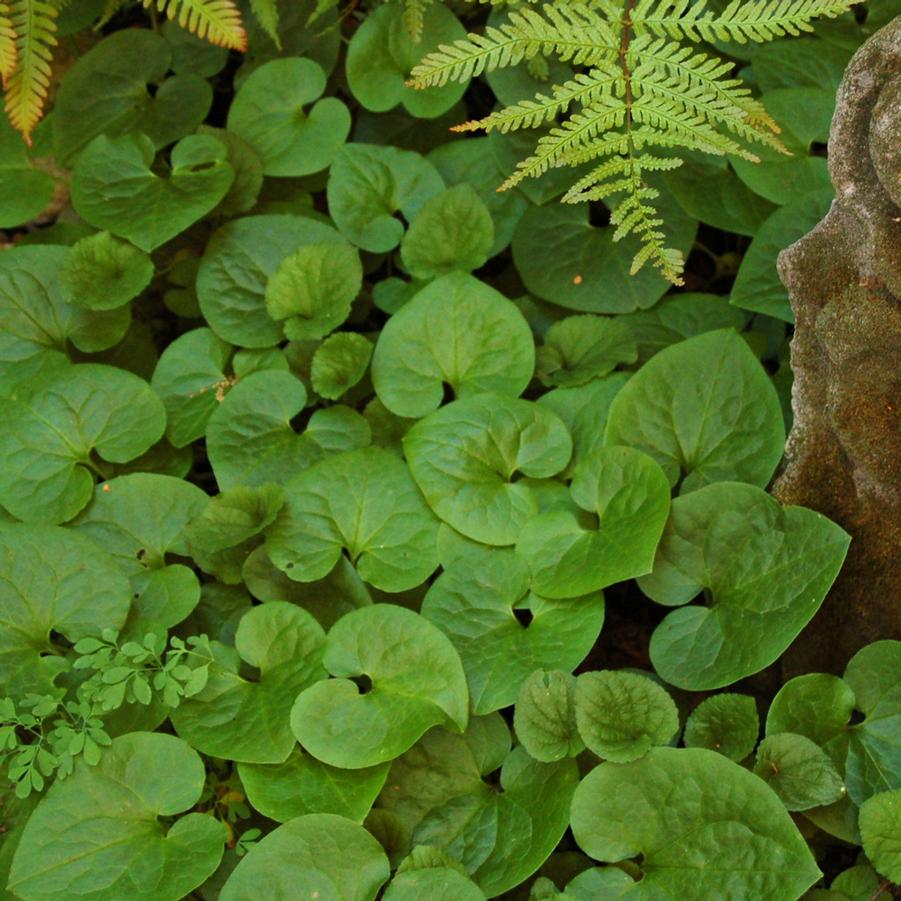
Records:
x=843, y=455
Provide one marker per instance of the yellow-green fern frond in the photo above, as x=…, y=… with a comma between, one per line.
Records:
x=644, y=90
x=266, y=13
x=9, y=54
x=217, y=21
x=34, y=23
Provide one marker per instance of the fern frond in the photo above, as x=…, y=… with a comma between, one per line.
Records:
x=575, y=34
x=217, y=21
x=34, y=23
x=266, y=13
x=9, y=54
x=602, y=115
x=582, y=88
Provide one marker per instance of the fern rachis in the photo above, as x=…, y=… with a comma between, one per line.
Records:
x=645, y=88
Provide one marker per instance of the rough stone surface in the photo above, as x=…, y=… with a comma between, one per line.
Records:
x=843, y=456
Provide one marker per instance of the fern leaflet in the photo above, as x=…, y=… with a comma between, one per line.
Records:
x=9, y=54
x=34, y=23
x=217, y=21
x=266, y=13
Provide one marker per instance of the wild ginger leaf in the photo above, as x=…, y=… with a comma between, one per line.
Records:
x=420, y=685
x=47, y=441
x=456, y=331
x=464, y=457
x=269, y=113
x=322, y=852
x=114, y=188
x=714, y=416
x=726, y=540
x=90, y=828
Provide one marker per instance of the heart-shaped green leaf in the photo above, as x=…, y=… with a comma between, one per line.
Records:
x=248, y=721
x=328, y=855
x=465, y=457
x=476, y=607
x=241, y=258
x=98, y=832
x=365, y=503
x=545, y=716
x=339, y=363
x=630, y=495
x=880, y=826
x=313, y=288
x=48, y=441
x=139, y=519
x=38, y=317
x=106, y=93
x=269, y=113
x=705, y=827
x=369, y=183
x=383, y=52
x=705, y=410
x=579, y=349
x=727, y=723
x=798, y=770
x=452, y=232
x=190, y=379
x=621, y=716
x=456, y=331
x=764, y=569
x=416, y=680
x=114, y=187
x=303, y=785
x=52, y=579
x=102, y=273
x=471, y=162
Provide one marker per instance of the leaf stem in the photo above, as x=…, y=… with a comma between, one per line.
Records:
x=881, y=889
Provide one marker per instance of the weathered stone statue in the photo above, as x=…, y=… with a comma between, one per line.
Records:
x=843, y=456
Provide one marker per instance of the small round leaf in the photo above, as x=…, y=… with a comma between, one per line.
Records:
x=313, y=288
x=102, y=272
x=727, y=723
x=621, y=716
x=545, y=716
x=880, y=829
